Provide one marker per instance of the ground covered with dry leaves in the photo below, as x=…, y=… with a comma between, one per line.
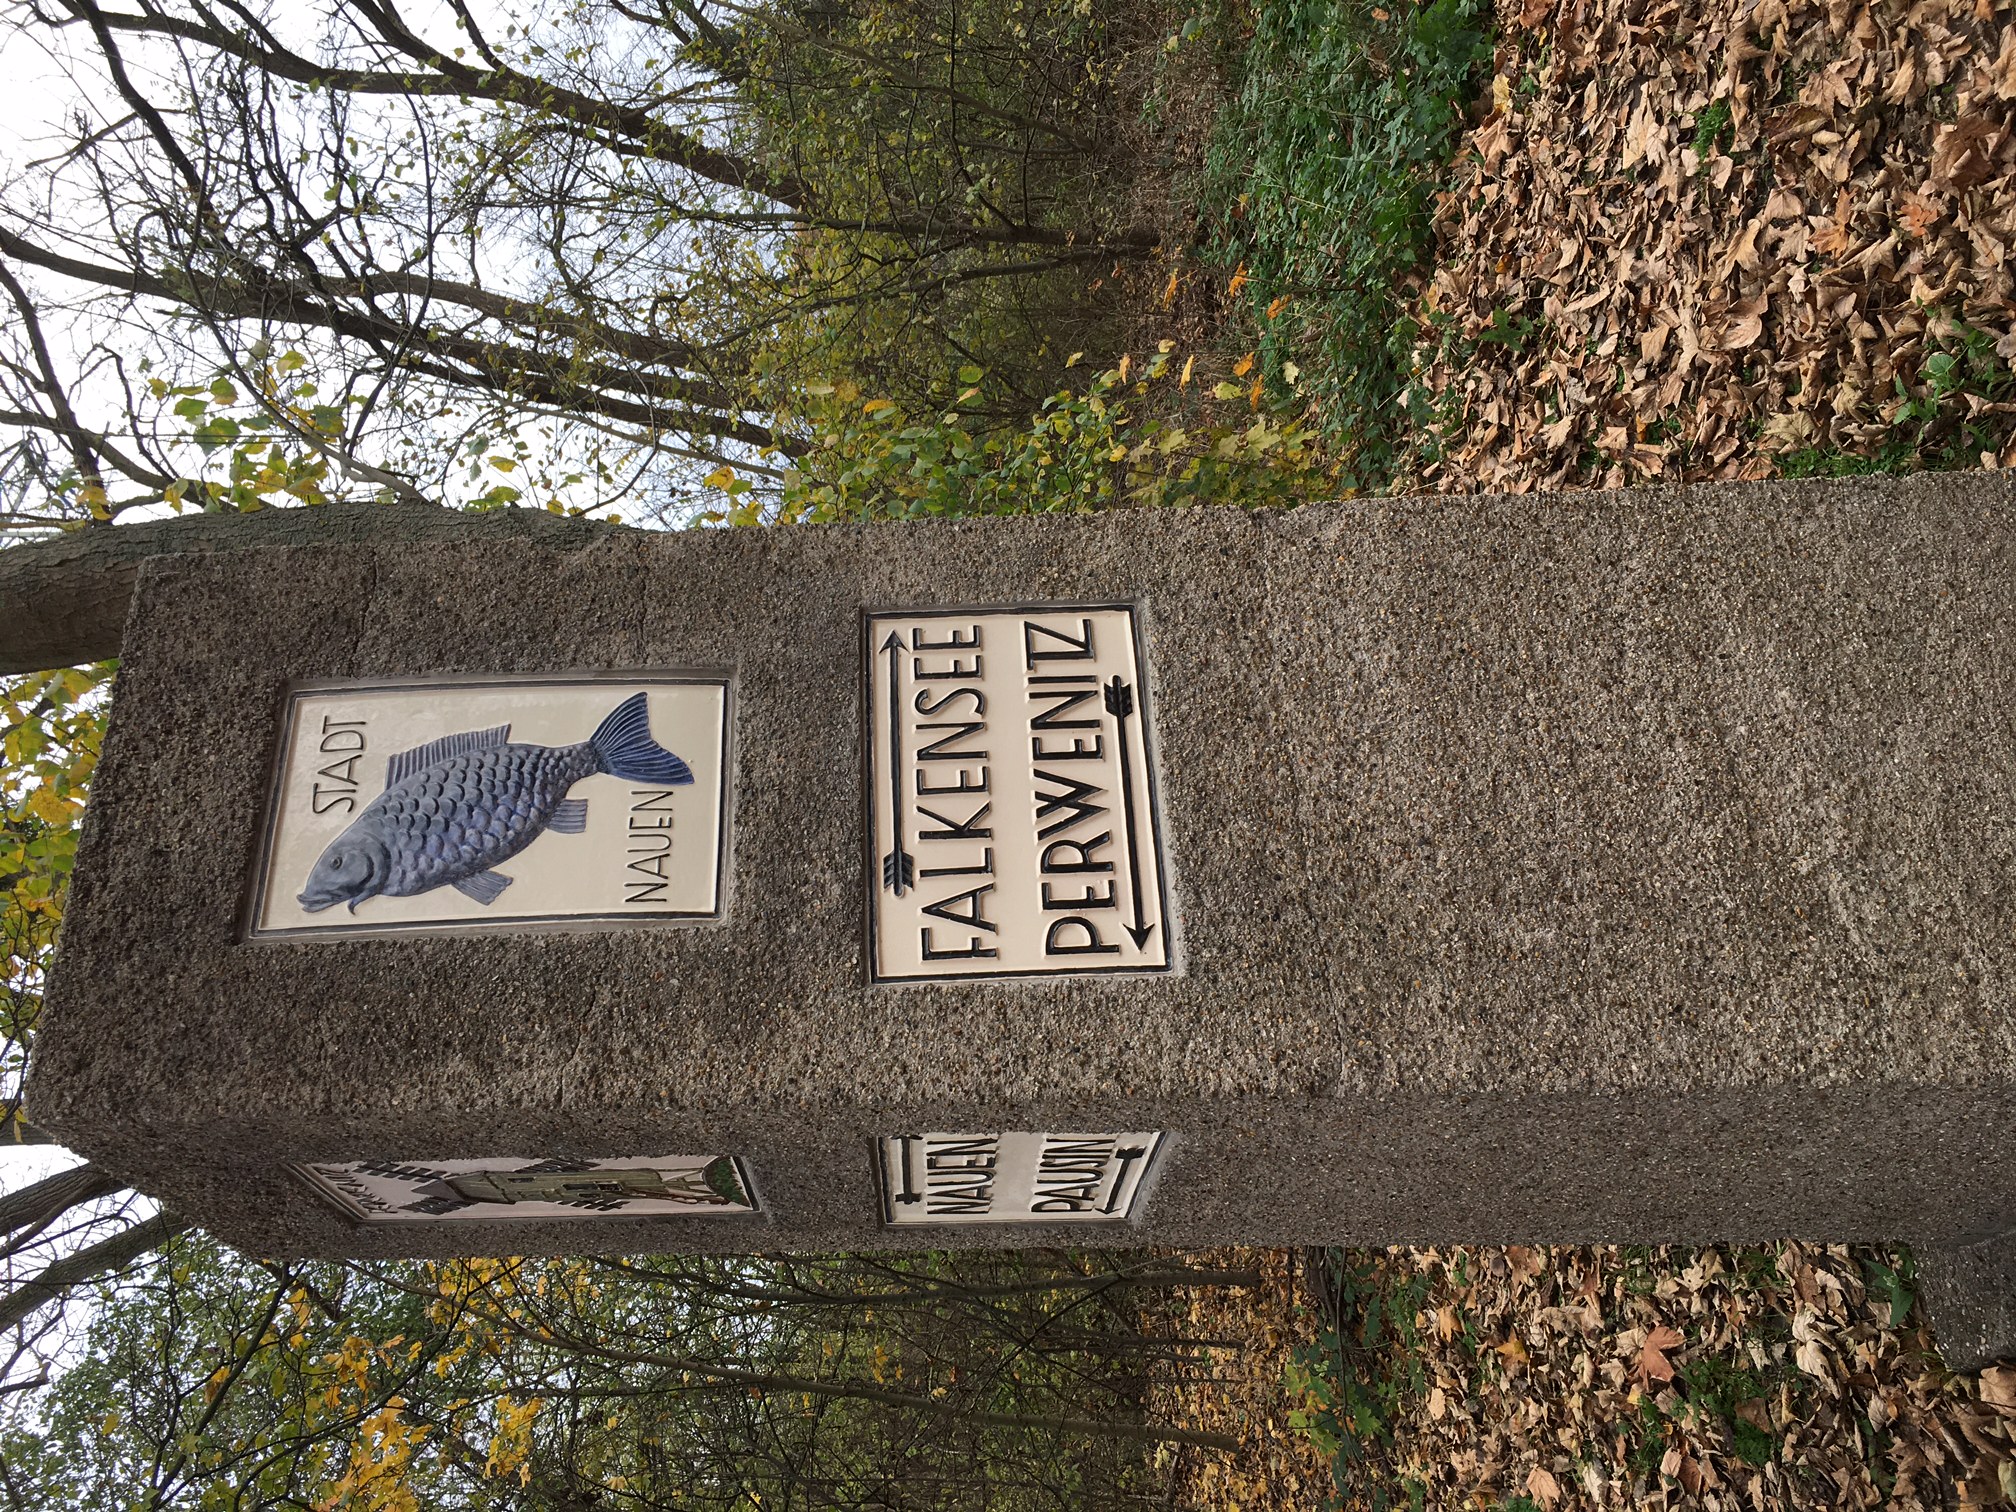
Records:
x=1718, y=239
x=1539, y=1379
x=1244, y=1390
x=1726, y=239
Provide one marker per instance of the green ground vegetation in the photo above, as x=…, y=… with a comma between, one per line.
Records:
x=1340, y=120
x=1332, y=129
x=1512, y=1377
x=1943, y=423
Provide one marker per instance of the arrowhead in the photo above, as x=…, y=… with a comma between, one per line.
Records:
x=1139, y=934
x=894, y=643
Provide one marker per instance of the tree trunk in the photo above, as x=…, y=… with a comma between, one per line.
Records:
x=53, y=1195
x=63, y=599
x=88, y=1263
x=860, y=1391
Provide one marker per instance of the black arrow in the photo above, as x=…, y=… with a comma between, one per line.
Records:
x=1127, y=1157
x=909, y=1192
x=1120, y=704
x=899, y=870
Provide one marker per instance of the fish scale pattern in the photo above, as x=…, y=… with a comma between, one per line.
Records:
x=473, y=811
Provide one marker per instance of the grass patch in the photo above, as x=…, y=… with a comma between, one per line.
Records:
x=1318, y=186
x=1716, y=1386
x=1936, y=425
x=1897, y=1285
x=1711, y=127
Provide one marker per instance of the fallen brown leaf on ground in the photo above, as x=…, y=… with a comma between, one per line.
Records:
x=1652, y=1362
x=1692, y=239
x=1241, y=1388
x=1790, y=1386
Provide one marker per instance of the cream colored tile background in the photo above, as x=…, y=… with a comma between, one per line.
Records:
x=999, y=672
x=376, y=1198
x=557, y=877
x=1019, y=1182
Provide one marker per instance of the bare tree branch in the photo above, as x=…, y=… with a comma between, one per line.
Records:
x=498, y=366
x=444, y=76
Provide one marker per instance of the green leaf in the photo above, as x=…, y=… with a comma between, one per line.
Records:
x=219, y=430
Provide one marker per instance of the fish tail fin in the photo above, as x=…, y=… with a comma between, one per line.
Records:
x=624, y=748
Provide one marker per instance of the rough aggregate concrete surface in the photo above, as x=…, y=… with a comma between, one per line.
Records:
x=1970, y=1293
x=1565, y=868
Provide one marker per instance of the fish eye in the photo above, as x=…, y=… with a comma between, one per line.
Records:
x=337, y=864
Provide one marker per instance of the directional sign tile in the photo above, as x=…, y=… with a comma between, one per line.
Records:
x=1013, y=1177
x=1014, y=829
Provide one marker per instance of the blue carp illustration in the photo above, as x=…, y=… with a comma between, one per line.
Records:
x=457, y=807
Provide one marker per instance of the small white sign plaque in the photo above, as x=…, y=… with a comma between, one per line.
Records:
x=1013, y=1178
x=479, y=804
x=1012, y=810
x=642, y=1186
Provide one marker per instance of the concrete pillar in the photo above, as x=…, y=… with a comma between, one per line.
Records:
x=1592, y=867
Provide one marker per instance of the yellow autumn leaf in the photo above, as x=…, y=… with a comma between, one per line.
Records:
x=50, y=807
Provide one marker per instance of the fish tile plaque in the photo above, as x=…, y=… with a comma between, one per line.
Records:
x=1013, y=823
x=1014, y=1177
x=641, y=1186
x=494, y=804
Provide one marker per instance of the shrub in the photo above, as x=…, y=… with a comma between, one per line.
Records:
x=1126, y=440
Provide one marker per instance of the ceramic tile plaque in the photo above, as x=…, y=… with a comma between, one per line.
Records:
x=1011, y=796
x=1013, y=1178
x=642, y=1186
x=493, y=804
